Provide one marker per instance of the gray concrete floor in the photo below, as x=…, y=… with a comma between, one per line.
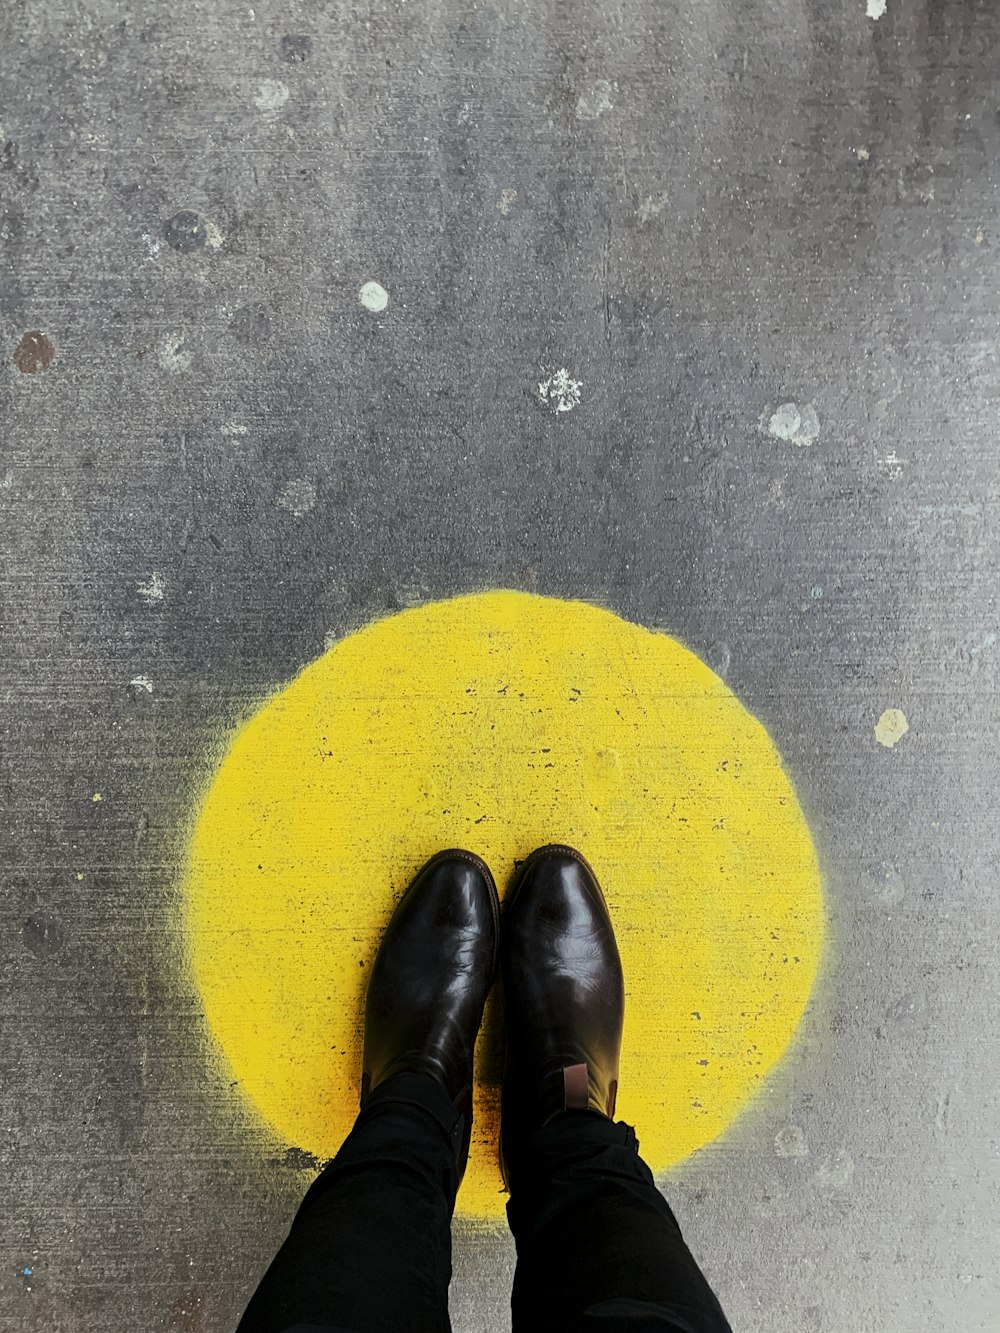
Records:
x=700, y=212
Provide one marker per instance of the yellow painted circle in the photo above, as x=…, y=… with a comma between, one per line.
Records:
x=499, y=722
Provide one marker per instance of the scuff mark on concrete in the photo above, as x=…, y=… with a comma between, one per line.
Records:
x=794, y=424
x=892, y=465
x=173, y=355
x=835, y=1172
x=271, y=96
x=790, y=1141
x=652, y=206
x=298, y=497
x=595, y=100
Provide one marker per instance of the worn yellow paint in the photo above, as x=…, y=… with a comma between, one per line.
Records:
x=498, y=722
x=891, y=727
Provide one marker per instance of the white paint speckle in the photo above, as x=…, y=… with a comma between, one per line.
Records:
x=142, y=683
x=862, y=154
x=836, y=1171
x=7, y=480
x=373, y=296
x=298, y=497
x=213, y=235
x=97, y=797
x=876, y=8
x=153, y=246
x=560, y=392
x=271, y=96
x=791, y=1142
x=892, y=465
x=151, y=589
x=233, y=429
x=506, y=201
x=797, y=425
x=980, y=236
x=652, y=206
x=173, y=355
x=891, y=727
x=594, y=101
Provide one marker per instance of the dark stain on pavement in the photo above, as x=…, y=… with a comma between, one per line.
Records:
x=34, y=352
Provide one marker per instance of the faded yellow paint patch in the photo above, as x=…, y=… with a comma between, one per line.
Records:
x=499, y=722
x=891, y=727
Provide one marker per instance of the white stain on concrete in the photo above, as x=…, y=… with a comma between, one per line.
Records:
x=271, y=96
x=233, y=429
x=298, y=497
x=835, y=1172
x=153, y=246
x=151, y=589
x=794, y=424
x=967, y=509
x=173, y=355
x=989, y=640
x=892, y=465
x=506, y=201
x=887, y=885
x=560, y=391
x=213, y=235
x=790, y=1141
x=7, y=480
x=142, y=683
x=595, y=100
x=652, y=206
x=876, y=8
x=891, y=727
x=373, y=296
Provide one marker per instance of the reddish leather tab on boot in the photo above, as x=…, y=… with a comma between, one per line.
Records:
x=576, y=1088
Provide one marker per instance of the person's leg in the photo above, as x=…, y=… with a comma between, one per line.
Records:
x=370, y=1247
x=597, y=1244
x=598, y=1247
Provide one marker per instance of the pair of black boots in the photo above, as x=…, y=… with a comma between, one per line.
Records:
x=562, y=980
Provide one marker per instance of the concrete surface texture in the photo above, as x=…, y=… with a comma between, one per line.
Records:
x=311, y=313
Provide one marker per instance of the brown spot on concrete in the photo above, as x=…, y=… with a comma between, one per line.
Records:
x=34, y=352
x=185, y=1315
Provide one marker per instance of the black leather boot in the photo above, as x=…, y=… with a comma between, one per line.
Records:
x=430, y=979
x=564, y=995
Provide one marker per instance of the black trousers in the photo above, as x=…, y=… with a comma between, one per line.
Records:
x=370, y=1248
